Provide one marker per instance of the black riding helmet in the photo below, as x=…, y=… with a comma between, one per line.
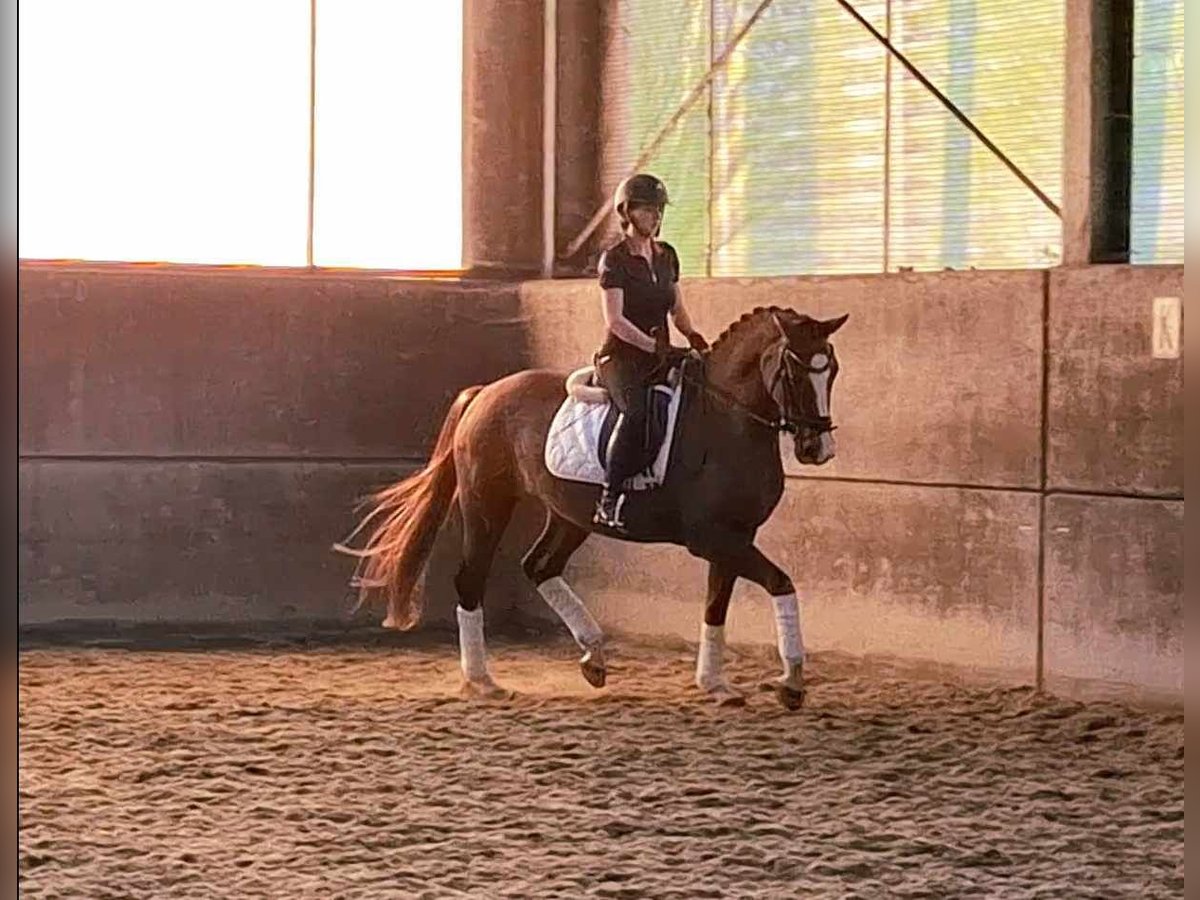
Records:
x=641, y=188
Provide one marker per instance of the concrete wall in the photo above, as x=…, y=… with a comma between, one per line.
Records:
x=1114, y=566
x=1116, y=413
x=924, y=538
x=192, y=443
x=912, y=400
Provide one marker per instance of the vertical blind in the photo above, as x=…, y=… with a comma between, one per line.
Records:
x=954, y=204
x=1156, y=215
x=813, y=151
x=798, y=126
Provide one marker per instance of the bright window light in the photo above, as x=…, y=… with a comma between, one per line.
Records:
x=389, y=134
x=178, y=132
x=164, y=131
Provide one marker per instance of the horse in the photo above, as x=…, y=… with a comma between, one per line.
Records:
x=771, y=371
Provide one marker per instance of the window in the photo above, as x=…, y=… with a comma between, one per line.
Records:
x=815, y=152
x=656, y=52
x=389, y=135
x=954, y=203
x=1156, y=215
x=179, y=132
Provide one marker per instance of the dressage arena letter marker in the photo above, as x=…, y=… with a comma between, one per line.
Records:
x=1167, y=316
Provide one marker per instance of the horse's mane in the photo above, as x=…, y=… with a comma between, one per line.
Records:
x=754, y=315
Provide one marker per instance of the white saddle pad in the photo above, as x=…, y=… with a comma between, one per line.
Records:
x=572, y=442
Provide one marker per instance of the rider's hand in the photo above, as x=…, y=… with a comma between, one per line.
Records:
x=662, y=343
x=696, y=339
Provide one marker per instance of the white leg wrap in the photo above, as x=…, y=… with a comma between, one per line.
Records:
x=471, y=647
x=787, y=630
x=709, y=661
x=564, y=601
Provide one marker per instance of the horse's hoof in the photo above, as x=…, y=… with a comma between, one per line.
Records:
x=723, y=694
x=593, y=669
x=789, y=697
x=484, y=690
x=728, y=698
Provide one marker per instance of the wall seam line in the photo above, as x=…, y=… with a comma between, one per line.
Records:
x=1043, y=480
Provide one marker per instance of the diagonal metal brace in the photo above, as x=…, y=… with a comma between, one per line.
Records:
x=953, y=109
x=719, y=63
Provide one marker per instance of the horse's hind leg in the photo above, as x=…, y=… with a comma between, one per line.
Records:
x=484, y=520
x=789, y=687
x=710, y=660
x=544, y=565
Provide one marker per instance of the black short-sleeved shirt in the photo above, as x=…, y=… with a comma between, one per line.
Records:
x=649, y=290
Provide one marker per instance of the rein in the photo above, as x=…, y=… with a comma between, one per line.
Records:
x=779, y=425
x=785, y=423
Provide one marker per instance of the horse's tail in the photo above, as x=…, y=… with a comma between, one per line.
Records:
x=407, y=518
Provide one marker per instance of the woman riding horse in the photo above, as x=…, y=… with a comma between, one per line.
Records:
x=639, y=278
x=771, y=371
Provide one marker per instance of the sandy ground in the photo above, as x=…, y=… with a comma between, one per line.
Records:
x=357, y=772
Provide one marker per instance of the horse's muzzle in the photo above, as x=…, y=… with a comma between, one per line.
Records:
x=815, y=449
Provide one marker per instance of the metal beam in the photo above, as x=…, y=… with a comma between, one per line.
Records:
x=312, y=128
x=549, y=127
x=1097, y=131
x=887, y=145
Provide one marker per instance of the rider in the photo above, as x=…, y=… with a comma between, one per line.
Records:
x=639, y=277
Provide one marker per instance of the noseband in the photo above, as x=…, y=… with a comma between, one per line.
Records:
x=790, y=424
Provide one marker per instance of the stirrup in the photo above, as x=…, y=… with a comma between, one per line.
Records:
x=610, y=518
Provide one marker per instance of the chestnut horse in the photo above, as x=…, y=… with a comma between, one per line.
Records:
x=773, y=370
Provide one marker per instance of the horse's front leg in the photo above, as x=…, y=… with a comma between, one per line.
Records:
x=789, y=687
x=747, y=561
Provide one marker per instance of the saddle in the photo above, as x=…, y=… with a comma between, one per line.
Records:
x=580, y=435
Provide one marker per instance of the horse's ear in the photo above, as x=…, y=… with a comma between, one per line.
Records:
x=829, y=326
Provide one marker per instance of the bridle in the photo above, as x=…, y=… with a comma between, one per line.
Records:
x=793, y=422
x=787, y=422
